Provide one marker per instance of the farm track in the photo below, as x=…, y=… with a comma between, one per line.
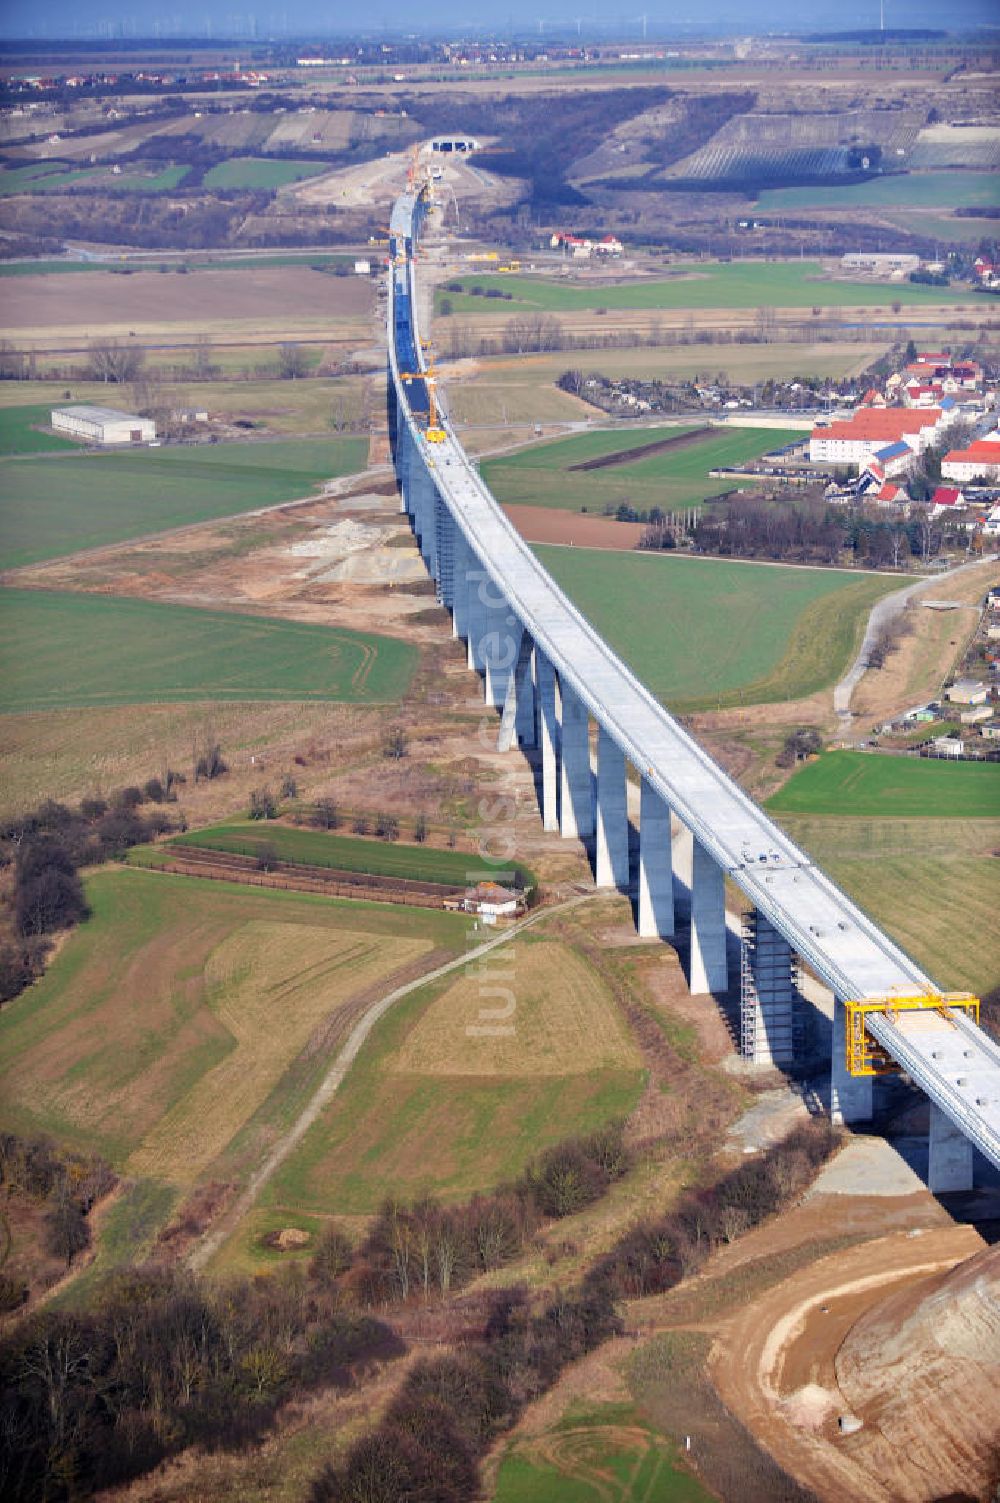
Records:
x=213, y=1239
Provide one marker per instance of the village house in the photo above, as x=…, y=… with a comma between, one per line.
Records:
x=490, y=902
x=980, y=459
x=967, y=691
x=872, y=431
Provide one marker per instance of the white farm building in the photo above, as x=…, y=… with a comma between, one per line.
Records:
x=103, y=425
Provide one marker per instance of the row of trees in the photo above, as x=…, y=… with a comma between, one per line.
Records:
x=425, y=1247
x=46, y=848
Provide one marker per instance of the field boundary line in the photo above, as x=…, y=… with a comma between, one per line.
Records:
x=210, y=1243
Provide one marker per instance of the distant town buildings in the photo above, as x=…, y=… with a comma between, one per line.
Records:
x=582, y=249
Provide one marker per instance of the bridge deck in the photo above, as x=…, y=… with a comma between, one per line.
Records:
x=843, y=946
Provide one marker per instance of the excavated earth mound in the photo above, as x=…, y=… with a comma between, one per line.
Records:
x=922, y=1370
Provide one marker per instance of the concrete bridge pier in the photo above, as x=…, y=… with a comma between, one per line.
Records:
x=445, y=529
x=403, y=462
x=501, y=643
x=709, y=969
x=611, y=864
x=476, y=620
x=460, y=567
x=526, y=719
x=427, y=504
x=850, y=1095
x=949, y=1164
x=656, y=866
x=576, y=799
x=548, y=732
x=767, y=994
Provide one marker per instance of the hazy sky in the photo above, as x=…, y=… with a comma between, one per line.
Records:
x=67, y=18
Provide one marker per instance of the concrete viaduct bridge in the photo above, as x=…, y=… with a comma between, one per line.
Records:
x=549, y=673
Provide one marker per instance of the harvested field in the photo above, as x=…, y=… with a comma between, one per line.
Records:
x=173, y=984
x=65, y=650
x=443, y=1127
x=543, y=524
x=897, y=870
x=50, y=310
x=261, y=970
x=561, y=1023
x=68, y=754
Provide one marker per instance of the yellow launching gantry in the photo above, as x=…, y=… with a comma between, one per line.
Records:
x=865, y=1055
x=433, y=433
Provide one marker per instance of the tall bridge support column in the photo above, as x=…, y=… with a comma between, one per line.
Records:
x=403, y=462
x=611, y=866
x=767, y=994
x=709, y=971
x=461, y=565
x=576, y=798
x=950, y=1161
x=548, y=730
x=656, y=866
x=444, y=547
x=476, y=618
x=514, y=685
x=526, y=720
x=500, y=648
x=850, y=1095
x=428, y=518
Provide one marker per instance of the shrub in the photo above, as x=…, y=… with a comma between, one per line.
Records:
x=395, y=746
x=325, y=815
x=262, y=804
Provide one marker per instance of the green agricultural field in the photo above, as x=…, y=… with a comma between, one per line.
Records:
x=541, y=475
x=258, y=172
x=917, y=190
x=54, y=178
x=934, y=884
x=596, y=1454
x=345, y=852
x=701, y=633
x=54, y=506
x=737, y=284
x=151, y=1037
x=64, y=650
x=287, y=408
x=444, y=1099
x=19, y=432
x=874, y=785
